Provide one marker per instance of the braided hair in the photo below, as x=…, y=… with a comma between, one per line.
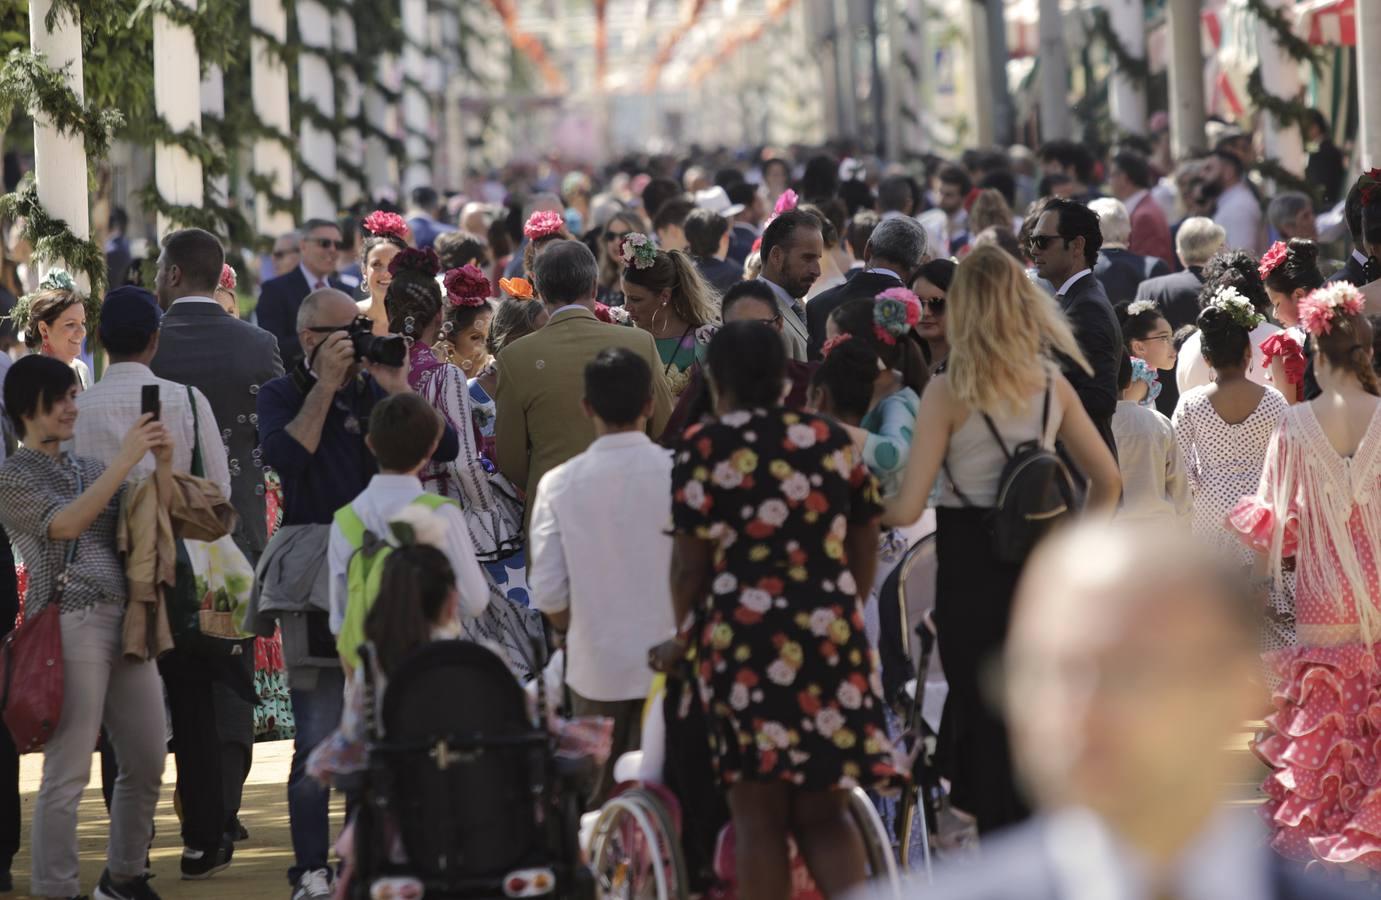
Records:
x=413, y=300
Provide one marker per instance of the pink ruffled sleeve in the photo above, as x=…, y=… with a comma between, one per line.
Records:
x=1255, y=517
x=1282, y=344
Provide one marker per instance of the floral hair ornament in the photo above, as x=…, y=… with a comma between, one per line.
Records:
x=1143, y=371
x=1369, y=185
x=1238, y=308
x=786, y=202
x=895, y=311
x=517, y=288
x=58, y=280
x=466, y=286
x=544, y=224
x=387, y=224
x=842, y=337
x=228, y=280
x=1138, y=307
x=1273, y=258
x=414, y=260
x=1323, y=306
x=636, y=251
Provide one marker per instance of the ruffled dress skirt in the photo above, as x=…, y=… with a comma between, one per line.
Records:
x=1324, y=795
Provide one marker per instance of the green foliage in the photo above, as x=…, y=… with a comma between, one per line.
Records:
x=1134, y=67
x=54, y=242
x=28, y=81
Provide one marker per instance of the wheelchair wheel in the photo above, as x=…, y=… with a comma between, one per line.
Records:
x=635, y=852
x=881, y=863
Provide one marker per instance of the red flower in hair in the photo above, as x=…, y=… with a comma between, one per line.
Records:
x=414, y=260
x=544, y=224
x=227, y=278
x=381, y=224
x=757, y=245
x=1370, y=185
x=1273, y=258
x=467, y=286
x=834, y=342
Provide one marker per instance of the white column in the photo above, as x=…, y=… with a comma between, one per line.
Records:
x=381, y=168
x=60, y=159
x=213, y=106
x=350, y=149
x=416, y=110
x=980, y=77
x=1280, y=76
x=269, y=77
x=1186, y=71
x=314, y=86
x=1128, y=96
x=177, y=99
x=1369, y=83
x=847, y=72
x=1055, y=118
x=449, y=92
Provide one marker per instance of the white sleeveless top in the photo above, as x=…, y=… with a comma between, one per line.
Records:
x=974, y=461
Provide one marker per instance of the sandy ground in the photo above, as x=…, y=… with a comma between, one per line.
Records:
x=260, y=864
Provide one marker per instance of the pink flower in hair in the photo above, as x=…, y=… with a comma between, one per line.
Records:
x=1272, y=259
x=467, y=286
x=786, y=202
x=381, y=224
x=1324, y=306
x=227, y=281
x=544, y=224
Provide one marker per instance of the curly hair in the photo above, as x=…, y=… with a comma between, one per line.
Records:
x=1238, y=269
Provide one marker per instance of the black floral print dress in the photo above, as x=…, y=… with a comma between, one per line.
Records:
x=787, y=676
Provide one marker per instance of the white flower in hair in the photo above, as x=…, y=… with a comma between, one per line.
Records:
x=1141, y=306
x=1230, y=300
x=416, y=524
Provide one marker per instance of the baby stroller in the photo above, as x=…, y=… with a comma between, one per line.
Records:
x=465, y=786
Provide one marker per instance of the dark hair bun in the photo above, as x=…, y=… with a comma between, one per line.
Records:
x=1305, y=251
x=1215, y=320
x=856, y=358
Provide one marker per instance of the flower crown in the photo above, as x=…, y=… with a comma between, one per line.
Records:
x=387, y=224
x=517, y=288
x=1369, y=185
x=544, y=224
x=1323, y=306
x=895, y=311
x=466, y=286
x=414, y=260
x=1273, y=258
x=636, y=251
x=1238, y=308
x=228, y=279
x=1138, y=307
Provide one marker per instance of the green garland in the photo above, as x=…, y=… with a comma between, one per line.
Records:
x=26, y=80
x=1272, y=170
x=1296, y=47
x=1286, y=112
x=1134, y=67
x=53, y=242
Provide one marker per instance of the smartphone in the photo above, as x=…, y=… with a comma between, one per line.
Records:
x=148, y=401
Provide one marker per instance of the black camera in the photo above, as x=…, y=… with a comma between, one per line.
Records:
x=390, y=350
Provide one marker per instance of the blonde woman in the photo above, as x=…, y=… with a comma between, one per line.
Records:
x=999, y=379
x=990, y=210
x=665, y=294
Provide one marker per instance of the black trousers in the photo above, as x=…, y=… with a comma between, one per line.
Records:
x=188, y=678
x=235, y=727
x=9, y=757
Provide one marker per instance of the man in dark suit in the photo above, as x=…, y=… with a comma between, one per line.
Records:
x=1128, y=744
x=1064, y=245
x=227, y=359
x=1177, y=294
x=279, y=298
x=1358, y=269
x=894, y=250
x=707, y=242
x=1120, y=270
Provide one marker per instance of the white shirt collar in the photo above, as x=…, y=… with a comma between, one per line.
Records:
x=1359, y=256
x=619, y=440
x=312, y=279
x=396, y=482
x=558, y=311
x=1134, y=200
x=780, y=291
x=1064, y=288
x=127, y=368
x=192, y=300
x=881, y=271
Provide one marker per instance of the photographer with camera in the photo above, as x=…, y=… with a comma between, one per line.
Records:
x=312, y=425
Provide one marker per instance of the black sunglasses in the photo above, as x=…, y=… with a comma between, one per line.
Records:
x=936, y=307
x=1041, y=241
x=327, y=243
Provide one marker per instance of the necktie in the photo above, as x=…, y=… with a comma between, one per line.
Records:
x=320, y=284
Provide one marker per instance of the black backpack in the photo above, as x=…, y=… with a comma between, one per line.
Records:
x=1035, y=493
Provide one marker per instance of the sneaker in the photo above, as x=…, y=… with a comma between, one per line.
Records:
x=313, y=885
x=134, y=889
x=198, y=865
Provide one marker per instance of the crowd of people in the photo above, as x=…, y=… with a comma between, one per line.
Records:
x=686, y=417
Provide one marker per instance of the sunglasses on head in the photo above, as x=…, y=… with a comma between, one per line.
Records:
x=328, y=243
x=1041, y=241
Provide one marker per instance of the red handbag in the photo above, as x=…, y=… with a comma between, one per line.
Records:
x=31, y=657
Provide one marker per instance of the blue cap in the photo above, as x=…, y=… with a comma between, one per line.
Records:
x=129, y=311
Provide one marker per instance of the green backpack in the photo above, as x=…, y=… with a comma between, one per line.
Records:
x=364, y=574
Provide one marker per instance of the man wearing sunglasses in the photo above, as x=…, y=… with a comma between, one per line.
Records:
x=280, y=298
x=1064, y=246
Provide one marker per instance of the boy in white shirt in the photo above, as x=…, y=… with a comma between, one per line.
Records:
x=599, y=553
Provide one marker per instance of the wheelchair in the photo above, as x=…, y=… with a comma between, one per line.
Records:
x=463, y=795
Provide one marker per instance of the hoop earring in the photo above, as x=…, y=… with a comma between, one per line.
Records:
x=661, y=309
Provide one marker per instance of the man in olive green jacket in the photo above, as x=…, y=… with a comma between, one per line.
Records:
x=541, y=376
